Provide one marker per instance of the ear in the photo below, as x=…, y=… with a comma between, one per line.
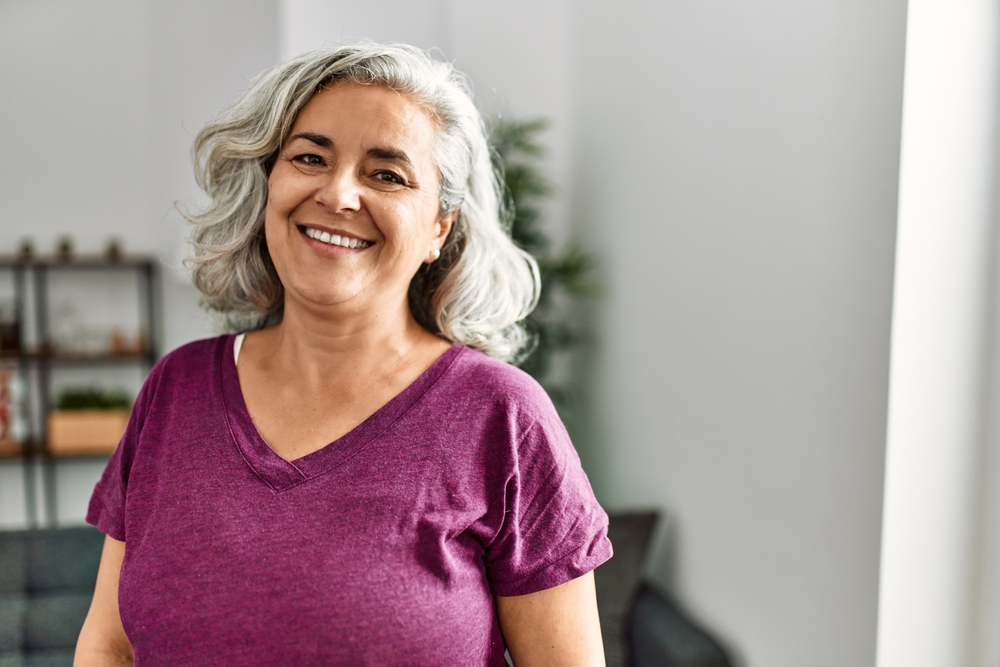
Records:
x=443, y=227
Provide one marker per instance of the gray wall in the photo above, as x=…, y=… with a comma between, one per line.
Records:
x=736, y=170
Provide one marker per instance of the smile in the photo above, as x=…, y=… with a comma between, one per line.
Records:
x=334, y=239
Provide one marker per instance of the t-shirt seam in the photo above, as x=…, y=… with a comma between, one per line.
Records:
x=229, y=424
x=517, y=448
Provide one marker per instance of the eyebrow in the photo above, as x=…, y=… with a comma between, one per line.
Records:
x=389, y=154
x=378, y=153
x=317, y=139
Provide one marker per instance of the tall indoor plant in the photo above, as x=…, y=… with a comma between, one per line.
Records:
x=563, y=271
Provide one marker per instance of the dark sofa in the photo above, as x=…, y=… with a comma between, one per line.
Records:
x=46, y=582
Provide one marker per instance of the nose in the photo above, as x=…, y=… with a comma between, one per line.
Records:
x=340, y=193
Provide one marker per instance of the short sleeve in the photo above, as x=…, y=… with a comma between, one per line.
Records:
x=107, y=504
x=553, y=529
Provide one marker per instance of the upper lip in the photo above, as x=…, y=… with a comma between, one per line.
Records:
x=338, y=232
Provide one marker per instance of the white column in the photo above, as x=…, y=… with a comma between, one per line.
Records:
x=931, y=516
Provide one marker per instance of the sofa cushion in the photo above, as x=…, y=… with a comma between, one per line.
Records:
x=57, y=658
x=53, y=621
x=46, y=584
x=66, y=558
x=12, y=612
x=16, y=659
x=13, y=561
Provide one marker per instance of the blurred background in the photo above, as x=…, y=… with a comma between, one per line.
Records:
x=793, y=259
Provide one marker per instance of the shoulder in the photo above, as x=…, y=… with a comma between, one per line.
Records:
x=193, y=355
x=193, y=362
x=481, y=376
x=477, y=388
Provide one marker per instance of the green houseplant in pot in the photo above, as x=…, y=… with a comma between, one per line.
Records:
x=87, y=421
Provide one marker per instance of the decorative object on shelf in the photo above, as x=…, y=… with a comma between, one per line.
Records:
x=10, y=329
x=140, y=344
x=13, y=421
x=563, y=273
x=87, y=421
x=113, y=251
x=66, y=328
x=70, y=336
x=26, y=251
x=117, y=343
x=64, y=248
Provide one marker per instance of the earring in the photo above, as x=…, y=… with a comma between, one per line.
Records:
x=435, y=254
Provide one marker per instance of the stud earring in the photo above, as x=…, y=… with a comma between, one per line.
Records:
x=435, y=254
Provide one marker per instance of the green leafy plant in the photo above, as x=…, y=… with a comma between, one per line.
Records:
x=90, y=398
x=563, y=272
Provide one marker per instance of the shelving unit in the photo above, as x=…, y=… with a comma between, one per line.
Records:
x=38, y=358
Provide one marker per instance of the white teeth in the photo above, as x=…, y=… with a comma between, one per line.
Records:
x=334, y=239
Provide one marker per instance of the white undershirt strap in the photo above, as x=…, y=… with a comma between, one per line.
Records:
x=237, y=344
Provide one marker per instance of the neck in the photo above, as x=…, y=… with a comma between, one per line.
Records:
x=322, y=345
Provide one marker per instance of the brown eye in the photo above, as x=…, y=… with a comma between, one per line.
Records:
x=309, y=159
x=389, y=177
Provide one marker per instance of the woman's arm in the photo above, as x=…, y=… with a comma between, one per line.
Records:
x=102, y=641
x=557, y=627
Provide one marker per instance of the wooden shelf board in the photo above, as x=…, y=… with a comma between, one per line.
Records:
x=18, y=454
x=88, y=454
x=86, y=261
x=70, y=359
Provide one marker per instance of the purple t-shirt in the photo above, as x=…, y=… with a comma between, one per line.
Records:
x=385, y=547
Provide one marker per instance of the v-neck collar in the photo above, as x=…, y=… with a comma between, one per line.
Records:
x=281, y=474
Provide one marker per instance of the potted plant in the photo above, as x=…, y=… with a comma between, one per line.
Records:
x=87, y=421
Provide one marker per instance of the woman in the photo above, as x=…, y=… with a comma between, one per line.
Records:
x=360, y=479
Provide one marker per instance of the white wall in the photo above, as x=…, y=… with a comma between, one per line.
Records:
x=928, y=588
x=735, y=168
x=73, y=123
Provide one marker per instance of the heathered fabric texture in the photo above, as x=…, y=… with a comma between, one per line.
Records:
x=383, y=548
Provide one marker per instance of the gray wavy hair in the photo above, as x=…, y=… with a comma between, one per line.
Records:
x=476, y=293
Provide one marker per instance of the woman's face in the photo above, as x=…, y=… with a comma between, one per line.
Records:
x=352, y=206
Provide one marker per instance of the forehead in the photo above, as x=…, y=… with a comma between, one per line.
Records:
x=349, y=112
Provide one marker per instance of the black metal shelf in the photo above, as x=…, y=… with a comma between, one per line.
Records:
x=77, y=262
x=38, y=361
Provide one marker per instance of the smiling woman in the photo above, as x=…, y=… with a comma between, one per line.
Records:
x=351, y=475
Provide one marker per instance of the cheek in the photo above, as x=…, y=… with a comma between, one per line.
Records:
x=422, y=217
x=285, y=189
x=276, y=240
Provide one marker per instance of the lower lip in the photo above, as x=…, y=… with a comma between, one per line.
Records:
x=329, y=248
